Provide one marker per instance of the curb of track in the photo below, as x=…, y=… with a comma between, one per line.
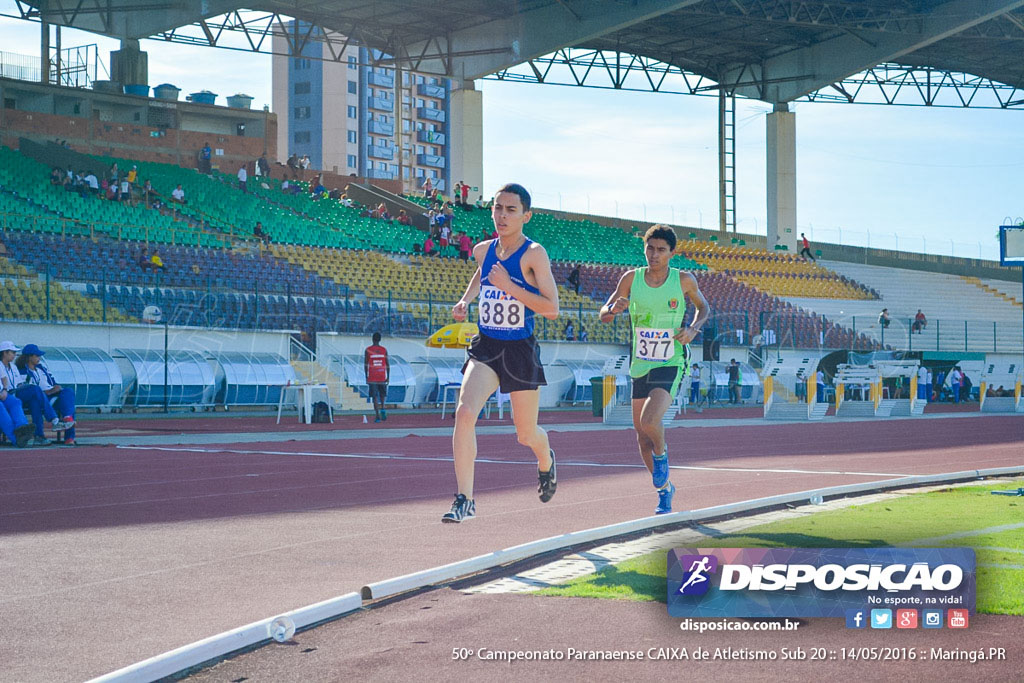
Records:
x=257, y=633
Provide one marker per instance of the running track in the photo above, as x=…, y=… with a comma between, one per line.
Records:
x=114, y=554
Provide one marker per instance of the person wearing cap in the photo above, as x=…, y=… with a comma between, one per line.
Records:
x=39, y=390
x=12, y=416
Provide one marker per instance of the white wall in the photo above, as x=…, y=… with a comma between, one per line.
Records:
x=414, y=351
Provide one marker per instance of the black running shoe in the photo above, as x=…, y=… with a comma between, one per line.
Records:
x=23, y=435
x=462, y=509
x=548, y=482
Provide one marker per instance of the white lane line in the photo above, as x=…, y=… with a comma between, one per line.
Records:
x=572, y=463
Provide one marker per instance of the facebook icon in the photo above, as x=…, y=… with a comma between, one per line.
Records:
x=856, y=618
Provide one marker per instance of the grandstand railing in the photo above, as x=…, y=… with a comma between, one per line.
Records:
x=269, y=305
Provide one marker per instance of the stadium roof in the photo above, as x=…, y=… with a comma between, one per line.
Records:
x=772, y=50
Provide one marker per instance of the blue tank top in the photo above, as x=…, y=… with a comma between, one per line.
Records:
x=502, y=316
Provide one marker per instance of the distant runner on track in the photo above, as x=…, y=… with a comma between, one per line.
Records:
x=660, y=356
x=514, y=282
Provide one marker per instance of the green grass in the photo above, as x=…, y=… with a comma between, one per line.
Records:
x=900, y=521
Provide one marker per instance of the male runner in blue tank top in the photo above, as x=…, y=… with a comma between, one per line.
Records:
x=514, y=282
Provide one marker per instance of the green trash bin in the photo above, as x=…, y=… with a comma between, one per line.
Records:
x=597, y=396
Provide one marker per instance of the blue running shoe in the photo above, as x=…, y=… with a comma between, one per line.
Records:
x=665, y=500
x=659, y=475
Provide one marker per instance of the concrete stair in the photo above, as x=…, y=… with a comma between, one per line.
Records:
x=342, y=395
x=818, y=411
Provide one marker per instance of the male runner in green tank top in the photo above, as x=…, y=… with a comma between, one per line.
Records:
x=656, y=299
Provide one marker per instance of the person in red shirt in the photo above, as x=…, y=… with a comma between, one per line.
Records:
x=806, y=251
x=465, y=246
x=378, y=372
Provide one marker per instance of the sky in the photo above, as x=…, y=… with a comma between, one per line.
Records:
x=934, y=180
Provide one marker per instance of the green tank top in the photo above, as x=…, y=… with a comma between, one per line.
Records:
x=656, y=314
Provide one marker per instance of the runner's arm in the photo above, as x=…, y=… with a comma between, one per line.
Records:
x=619, y=300
x=461, y=309
x=703, y=309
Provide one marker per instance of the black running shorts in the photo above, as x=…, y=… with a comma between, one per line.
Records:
x=666, y=378
x=515, y=361
x=378, y=391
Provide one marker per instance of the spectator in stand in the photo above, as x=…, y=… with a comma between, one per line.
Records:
x=156, y=263
x=428, y=188
x=205, y=156
x=920, y=322
x=574, y=278
x=403, y=218
x=883, y=318
x=56, y=177
x=260, y=235
x=293, y=165
x=304, y=162
x=243, y=178
x=382, y=212
x=334, y=194
x=148, y=194
x=13, y=423
x=318, y=190
x=465, y=246
x=178, y=195
x=126, y=190
x=431, y=219
x=345, y=201
x=39, y=389
x=133, y=175
x=428, y=246
x=570, y=331
x=465, y=194
x=583, y=333
x=806, y=251
x=115, y=172
x=446, y=233
x=93, y=182
x=457, y=192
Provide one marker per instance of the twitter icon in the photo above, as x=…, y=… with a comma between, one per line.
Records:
x=881, y=618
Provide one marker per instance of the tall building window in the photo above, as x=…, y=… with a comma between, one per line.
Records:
x=420, y=149
x=352, y=136
x=383, y=167
x=301, y=137
x=420, y=102
x=353, y=113
x=302, y=112
x=352, y=161
x=369, y=164
x=353, y=87
x=353, y=63
x=302, y=88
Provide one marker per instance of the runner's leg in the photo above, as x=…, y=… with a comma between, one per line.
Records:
x=525, y=405
x=648, y=422
x=478, y=384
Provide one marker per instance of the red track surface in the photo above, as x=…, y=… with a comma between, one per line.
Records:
x=114, y=555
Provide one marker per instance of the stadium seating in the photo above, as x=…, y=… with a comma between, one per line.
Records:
x=24, y=297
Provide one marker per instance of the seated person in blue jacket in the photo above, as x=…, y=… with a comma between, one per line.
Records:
x=12, y=417
x=38, y=394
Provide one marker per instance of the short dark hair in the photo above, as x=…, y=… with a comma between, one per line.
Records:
x=661, y=232
x=376, y=337
x=517, y=189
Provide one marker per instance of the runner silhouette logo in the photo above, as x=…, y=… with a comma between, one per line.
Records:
x=696, y=579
